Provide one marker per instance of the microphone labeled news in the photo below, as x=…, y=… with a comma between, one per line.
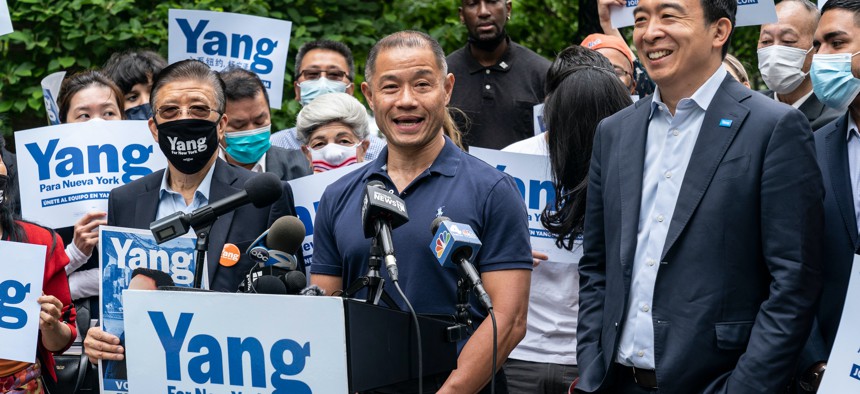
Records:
x=454, y=245
x=382, y=212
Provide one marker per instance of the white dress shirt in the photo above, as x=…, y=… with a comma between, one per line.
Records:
x=854, y=165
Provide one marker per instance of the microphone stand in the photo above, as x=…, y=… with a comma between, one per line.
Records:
x=373, y=281
x=200, y=254
x=463, y=318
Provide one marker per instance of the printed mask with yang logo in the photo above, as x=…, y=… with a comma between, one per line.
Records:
x=188, y=144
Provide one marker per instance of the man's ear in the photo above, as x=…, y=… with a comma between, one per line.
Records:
x=297, y=90
x=368, y=94
x=222, y=126
x=449, y=87
x=152, y=128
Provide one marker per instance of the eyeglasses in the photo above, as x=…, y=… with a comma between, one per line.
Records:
x=620, y=72
x=313, y=74
x=169, y=112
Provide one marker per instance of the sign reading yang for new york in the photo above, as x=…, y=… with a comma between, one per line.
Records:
x=21, y=276
x=750, y=13
x=223, y=40
x=68, y=170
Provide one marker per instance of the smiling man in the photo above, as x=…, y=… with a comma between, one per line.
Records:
x=408, y=87
x=703, y=223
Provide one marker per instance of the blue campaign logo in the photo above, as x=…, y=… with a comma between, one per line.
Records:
x=855, y=372
x=238, y=46
x=70, y=161
x=632, y=3
x=540, y=193
x=747, y=2
x=12, y=293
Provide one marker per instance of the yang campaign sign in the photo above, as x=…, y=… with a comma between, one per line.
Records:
x=843, y=367
x=5, y=19
x=71, y=168
x=750, y=12
x=50, y=91
x=223, y=39
x=821, y=3
x=20, y=286
x=131, y=259
x=307, y=201
x=190, y=342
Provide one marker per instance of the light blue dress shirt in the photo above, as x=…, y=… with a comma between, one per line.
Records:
x=668, y=147
x=170, y=201
x=854, y=165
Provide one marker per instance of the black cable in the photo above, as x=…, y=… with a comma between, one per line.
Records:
x=418, y=337
x=495, y=350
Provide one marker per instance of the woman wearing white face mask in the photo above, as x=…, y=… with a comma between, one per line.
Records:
x=333, y=131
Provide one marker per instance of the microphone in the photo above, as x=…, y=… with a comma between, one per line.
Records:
x=269, y=284
x=382, y=212
x=261, y=190
x=312, y=290
x=453, y=245
x=278, y=245
x=294, y=282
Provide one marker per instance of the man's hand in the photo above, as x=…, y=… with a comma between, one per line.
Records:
x=86, y=231
x=100, y=345
x=537, y=257
x=603, y=8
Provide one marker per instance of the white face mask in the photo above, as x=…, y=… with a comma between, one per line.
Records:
x=781, y=66
x=333, y=156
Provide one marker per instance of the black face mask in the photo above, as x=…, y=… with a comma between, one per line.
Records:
x=141, y=112
x=188, y=144
x=4, y=181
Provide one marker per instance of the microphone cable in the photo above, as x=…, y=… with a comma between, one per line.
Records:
x=495, y=351
x=418, y=337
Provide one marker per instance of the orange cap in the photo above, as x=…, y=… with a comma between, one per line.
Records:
x=597, y=41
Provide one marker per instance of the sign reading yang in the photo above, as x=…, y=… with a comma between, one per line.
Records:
x=223, y=40
x=20, y=286
x=69, y=169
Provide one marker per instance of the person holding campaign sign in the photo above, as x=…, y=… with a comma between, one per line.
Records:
x=57, y=317
x=582, y=89
x=133, y=72
x=189, y=118
x=333, y=132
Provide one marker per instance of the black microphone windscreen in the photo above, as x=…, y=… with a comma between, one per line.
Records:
x=295, y=281
x=264, y=189
x=312, y=290
x=286, y=234
x=269, y=284
x=434, y=227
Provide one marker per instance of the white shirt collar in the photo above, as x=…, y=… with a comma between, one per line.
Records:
x=799, y=101
x=702, y=96
x=259, y=167
x=852, y=128
x=203, y=188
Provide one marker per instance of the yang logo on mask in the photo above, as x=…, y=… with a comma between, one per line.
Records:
x=188, y=147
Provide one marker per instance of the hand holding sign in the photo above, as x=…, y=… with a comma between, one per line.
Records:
x=20, y=287
x=55, y=334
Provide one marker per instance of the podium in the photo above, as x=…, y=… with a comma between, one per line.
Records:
x=178, y=341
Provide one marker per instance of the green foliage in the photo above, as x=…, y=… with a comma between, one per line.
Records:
x=80, y=34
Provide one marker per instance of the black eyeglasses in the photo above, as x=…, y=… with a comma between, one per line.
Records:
x=620, y=72
x=170, y=112
x=313, y=74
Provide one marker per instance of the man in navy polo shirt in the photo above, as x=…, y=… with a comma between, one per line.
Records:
x=408, y=88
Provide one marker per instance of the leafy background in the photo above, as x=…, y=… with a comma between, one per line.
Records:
x=72, y=35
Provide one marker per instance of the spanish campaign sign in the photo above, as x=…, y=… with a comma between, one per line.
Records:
x=123, y=250
x=20, y=286
x=5, y=19
x=843, y=367
x=531, y=173
x=50, y=91
x=190, y=342
x=71, y=168
x=750, y=12
x=223, y=39
x=307, y=201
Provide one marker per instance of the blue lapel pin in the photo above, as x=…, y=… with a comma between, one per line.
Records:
x=725, y=123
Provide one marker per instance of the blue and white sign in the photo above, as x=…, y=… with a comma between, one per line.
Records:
x=20, y=286
x=821, y=3
x=71, y=168
x=188, y=342
x=50, y=91
x=5, y=19
x=307, y=201
x=538, y=119
x=750, y=13
x=223, y=39
x=122, y=251
x=843, y=366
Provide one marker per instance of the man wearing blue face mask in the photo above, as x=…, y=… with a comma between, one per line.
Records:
x=834, y=72
x=246, y=139
x=133, y=72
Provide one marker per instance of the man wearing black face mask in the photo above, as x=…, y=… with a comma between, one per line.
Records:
x=133, y=72
x=498, y=81
x=188, y=119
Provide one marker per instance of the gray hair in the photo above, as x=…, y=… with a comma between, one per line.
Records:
x=190, y=70
x=328, y=108
x=405, y=39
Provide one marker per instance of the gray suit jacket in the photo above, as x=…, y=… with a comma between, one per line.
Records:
x=739, y=271
x=287, y=164
x=816, y=113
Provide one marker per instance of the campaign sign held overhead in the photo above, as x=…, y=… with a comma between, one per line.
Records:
x=190, y=342
x=71, y=168
x=5, y=19
x=223, y=40
x=21, y=279
x=50, y=91
x=750, y=13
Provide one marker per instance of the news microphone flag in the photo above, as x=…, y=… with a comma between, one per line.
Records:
x=452, y=237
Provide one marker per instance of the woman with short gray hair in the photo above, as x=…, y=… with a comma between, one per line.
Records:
x=333, y=131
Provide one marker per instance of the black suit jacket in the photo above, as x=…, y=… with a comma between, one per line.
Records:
x=739, y=273
x=816, y=112
x=136, y=204
x=287, y=164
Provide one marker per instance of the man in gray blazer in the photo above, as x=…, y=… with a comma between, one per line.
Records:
x=245, y=142
x=703, y=223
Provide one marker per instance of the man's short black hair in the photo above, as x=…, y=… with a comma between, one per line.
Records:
x=848, y=5
x=716, y=9
x=134, y=67
x=328, y=45
x=242, y=84
x=160, y=278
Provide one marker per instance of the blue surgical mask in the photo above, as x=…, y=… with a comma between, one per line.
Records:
x=832, y=80
x=247, y=147
x=141, y=112
x=314, y=88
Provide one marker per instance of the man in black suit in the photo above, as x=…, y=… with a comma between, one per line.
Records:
x=188, y=117
x=785, y=51
x=703, y=223
x=245, y=142
x=837, y=146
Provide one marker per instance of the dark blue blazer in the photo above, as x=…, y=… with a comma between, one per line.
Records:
x=136, y=204
x=739, y=271
x=840, y=242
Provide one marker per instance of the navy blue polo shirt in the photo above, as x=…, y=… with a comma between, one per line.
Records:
x=458, y=186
